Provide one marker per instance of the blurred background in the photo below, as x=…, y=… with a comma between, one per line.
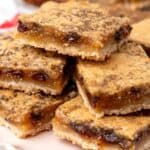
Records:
x=134, y=9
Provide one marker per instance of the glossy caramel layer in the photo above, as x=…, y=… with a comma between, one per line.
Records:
x=119, y=131
x=24, y=65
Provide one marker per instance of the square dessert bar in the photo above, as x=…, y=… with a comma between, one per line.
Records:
x=120, y=85
x=30, y=69
x=26, y=114
x=142, y=5
x=108, y=133
x=121, y=9
x=74, y=29
x=141, y=34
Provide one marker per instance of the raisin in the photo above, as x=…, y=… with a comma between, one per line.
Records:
x=139, y=137
x=109, y=136
x=22, y=27
x=42, y=94
x=106, y=58
x=40, y=75
x=72, y=37
x=123, y=32
x=36, y=116
x=145, y=8
x=99, y=133
x=19, y=74
x=135, y=91
x=83, y=129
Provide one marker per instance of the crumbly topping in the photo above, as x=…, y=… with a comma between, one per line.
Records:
x=16, y=56
x=16, y=106
x=122, y=126
x=141, y=32
x=124, y=70
x=88, y=21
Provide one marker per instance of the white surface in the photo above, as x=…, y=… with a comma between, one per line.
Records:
x=9, y=8
x=44, y=141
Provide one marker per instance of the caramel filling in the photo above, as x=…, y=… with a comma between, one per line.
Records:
x=108, y=135
x=66, y=132
x=101, y=136
x=117, y=101
x=34, y=31
x=40, y=77
x=34, y=119
x=99, y=133
x=135, y=96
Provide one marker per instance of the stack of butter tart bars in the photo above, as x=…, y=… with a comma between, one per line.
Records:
x=78, y=41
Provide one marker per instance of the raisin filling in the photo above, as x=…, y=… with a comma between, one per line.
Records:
x=23, y=27
x=99, y=133
x=72, y=37
x=19, y=74
x=36, y=116
x=40, y=76
x=102, y=101
x=123, y=32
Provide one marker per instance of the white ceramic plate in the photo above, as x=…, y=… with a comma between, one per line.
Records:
x=44, y=141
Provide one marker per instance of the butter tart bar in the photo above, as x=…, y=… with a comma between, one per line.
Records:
x=74, y=29
x=120, y=85
x=108, y=133
x=30, y=69
x=136, y=10
x=122, y=10
x=141, y=34
x=27, y=114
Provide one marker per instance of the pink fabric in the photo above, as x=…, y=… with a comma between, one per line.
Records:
x=9, y=11
x=10, y=23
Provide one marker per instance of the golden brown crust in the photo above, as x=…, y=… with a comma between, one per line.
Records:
x=21, y=132
x=141, y=34
x=103, y=105
x=65, y=132
x=21, y=66
x=135, y=10
x=120, y=81
x=27, y=114
x=142, y=5
x=95, y=37
x=124, y=10
x=117, y=130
